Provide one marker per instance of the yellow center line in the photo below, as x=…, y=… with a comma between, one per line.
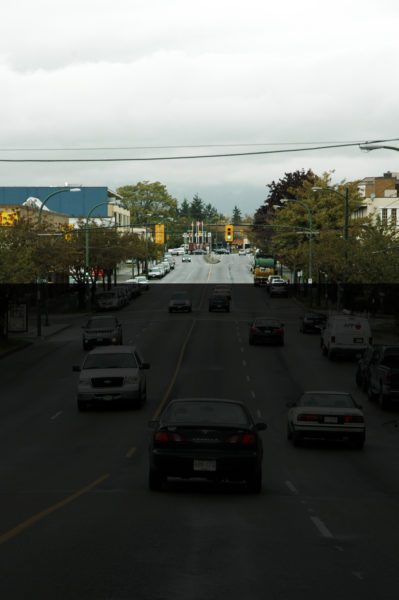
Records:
x=12, y=533
x=172, y=381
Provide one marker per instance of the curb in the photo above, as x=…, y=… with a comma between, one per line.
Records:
x=27, y=343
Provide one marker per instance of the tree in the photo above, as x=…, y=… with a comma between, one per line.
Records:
x=148, y=202
x=197, y=209
x=237, y=217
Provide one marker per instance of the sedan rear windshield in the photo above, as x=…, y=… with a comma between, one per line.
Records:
x=327, y=400
x=110, y=361
x=101, y=324
x=212, y=413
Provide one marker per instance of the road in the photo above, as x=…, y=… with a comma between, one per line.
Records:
x=77, y=519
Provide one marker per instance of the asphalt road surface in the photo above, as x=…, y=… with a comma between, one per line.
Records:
x=78, y=521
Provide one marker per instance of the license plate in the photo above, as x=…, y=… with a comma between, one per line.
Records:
x=204, y=465
x=330, y=419
x=108, y=397
x=358, y=340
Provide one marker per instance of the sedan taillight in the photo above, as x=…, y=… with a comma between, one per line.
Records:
x=353, y=419
x=307, y=417
x=165, y=437
x=246, y=439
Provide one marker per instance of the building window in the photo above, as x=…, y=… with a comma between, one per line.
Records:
x=384, y=216
x=393, y=216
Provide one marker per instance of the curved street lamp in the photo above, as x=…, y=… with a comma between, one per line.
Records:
x=38, y=291
x=370, y=147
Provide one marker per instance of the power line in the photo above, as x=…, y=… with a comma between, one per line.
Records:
x=166, y=147
x=188, y=157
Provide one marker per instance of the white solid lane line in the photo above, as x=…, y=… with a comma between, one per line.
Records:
x=56, y=415
x=291, y=487
x=325, y=532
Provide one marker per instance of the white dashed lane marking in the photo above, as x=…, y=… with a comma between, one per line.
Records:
x=56, y=415
x=325, y=532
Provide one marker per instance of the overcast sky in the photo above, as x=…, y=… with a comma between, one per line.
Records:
x=79, y=74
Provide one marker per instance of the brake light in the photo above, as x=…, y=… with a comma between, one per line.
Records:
x=164, y=437
x=254, y=329
x=247, y=439
x=279, y=331
x=308, y=417
x=353, y=419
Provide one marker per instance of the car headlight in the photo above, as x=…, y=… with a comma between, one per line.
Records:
x=131, y=379
x=85, y=382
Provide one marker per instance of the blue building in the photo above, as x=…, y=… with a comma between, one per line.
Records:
x=73, y=204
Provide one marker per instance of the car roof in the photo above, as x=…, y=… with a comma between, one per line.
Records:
x=102, y=317
x=114, y=350
x=199, y=399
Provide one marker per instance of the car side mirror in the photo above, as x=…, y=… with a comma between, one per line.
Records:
x=76, y=368
x=260, y=426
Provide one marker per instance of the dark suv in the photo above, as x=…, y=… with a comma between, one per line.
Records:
x=219, y=302
x=101, y=330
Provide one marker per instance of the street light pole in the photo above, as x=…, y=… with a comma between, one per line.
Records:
x=38, y=280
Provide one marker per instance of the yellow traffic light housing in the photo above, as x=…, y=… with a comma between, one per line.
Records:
x=228, y=233
x=159, y=234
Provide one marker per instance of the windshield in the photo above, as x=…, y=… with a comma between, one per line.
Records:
x=327, y=400
x=111, y=361
x=206, y=412
x=101, y=324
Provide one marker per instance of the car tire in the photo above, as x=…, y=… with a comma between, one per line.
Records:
x=86, y=346
x=155, y=480
x=82, y=406
x=254, y=482
x=296, y=438
x=170, y=310
x=359, y=443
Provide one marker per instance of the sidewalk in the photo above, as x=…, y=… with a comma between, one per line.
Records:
x=23, y=339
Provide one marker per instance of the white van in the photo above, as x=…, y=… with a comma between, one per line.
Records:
x=347, y=335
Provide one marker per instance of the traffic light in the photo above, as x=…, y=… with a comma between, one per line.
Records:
x=159, y=234
x=228, y=233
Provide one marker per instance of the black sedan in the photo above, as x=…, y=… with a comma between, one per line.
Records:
x=206, y=438
x=313, y=322
x=265, y=330
x=219, y=301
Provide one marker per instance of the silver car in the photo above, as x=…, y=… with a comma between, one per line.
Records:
x=113, y=374
x=101, y=330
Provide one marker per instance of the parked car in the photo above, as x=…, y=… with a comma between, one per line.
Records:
x=326, y=415
x=219, y=301
x=383, y=375
x=113, y=374
x=101, y=330
x=141, y=280
x=264, y=330
x=313, y=322
x=108, y=300
x=180, y=302
x=186, y=258
x=155, y=273
x=345, y=335
x=242, y=253
x=206, y=438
